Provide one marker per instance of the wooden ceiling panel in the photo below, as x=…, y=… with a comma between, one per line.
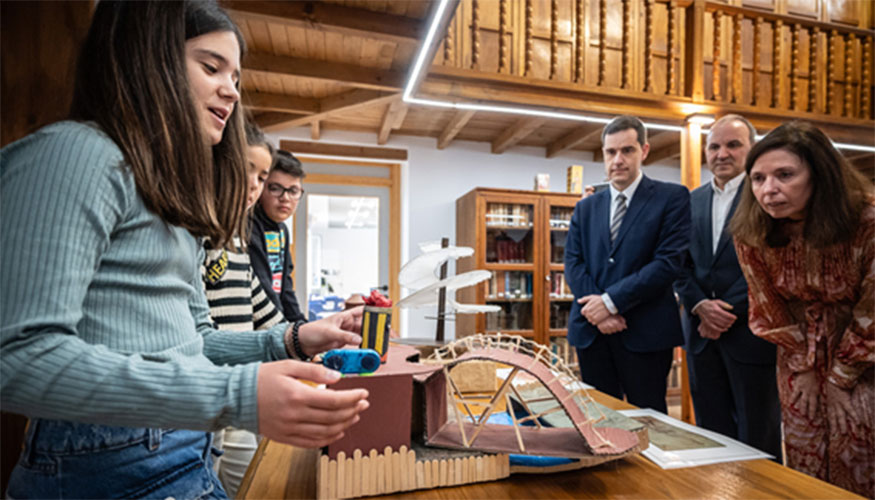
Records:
x=319, y=43
x=298, y=43
x=279, y=39
x=260, y=41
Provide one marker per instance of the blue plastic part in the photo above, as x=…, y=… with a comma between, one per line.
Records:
x=358, y=361
x=527, y=460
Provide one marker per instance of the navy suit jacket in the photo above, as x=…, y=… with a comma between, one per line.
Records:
x=637, y=271
x=717, y=275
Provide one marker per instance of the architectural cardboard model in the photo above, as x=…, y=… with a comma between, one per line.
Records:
x=423, y=432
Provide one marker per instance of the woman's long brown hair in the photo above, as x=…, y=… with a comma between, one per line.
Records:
x=131, y=80
x=839, y=192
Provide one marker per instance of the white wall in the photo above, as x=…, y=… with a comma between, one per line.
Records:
x=433, y=179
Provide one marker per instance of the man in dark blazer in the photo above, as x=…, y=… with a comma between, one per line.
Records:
x=624, y=250
x=732, y=372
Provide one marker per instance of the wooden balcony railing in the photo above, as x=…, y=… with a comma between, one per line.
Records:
x=693, y=51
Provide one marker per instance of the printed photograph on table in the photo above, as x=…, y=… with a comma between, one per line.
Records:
x=675, y=444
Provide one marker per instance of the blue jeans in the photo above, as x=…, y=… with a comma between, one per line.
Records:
x=69, y=460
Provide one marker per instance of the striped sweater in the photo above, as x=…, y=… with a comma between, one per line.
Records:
x=104, y=318
x=235, y=295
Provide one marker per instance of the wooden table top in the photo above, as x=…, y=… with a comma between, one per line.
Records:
x=282, y=471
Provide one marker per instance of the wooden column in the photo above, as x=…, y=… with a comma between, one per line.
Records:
x=813, y=41
x=529, y=42
x=475, y=34
x=715, y=56
x=777, y=59
x=737, y=82
x=796, y=58
x=580, y=42
x=831, y=55
x=691, y=155
x=849, y=41
x=648, y=45
x=626, y=78
x=603, y=26
x=755, y=70
x=691, y=172
x=671, y=72
x=866, y=77
x=554, y=39
x=503, y=45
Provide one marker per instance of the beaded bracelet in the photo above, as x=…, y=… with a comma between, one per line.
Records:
x=296, y=342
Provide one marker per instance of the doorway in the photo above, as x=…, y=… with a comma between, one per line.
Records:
x=346, y=233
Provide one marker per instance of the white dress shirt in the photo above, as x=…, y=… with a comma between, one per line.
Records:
x=629, y=192
x=721, y=201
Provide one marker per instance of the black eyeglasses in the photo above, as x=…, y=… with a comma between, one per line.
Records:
x=278, y=191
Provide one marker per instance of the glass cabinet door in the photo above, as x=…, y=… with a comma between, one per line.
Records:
x=560, y=301
x=512, y=291
x=560, y=219
x=509, y=233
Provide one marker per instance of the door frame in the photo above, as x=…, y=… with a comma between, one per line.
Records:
x=393, y=182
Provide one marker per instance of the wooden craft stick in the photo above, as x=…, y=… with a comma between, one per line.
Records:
x=420, y=477
x=399, y=482
x=389, y=470
x=457, y=465
x=341, y=475
x=426, y=475
x=332, y=479
x=516, y=428
x=366, y=476
x=348, y=479
x=410, y=458
x=322, y=477
x=357, y=476
x=435, y=473
x=380, y=476
x=443, y=473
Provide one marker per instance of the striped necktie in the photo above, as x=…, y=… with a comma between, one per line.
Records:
x=618, y=216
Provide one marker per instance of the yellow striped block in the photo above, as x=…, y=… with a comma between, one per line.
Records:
x=375, y=329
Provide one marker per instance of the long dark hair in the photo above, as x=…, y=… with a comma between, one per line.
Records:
x=839, y=192
x=132, y=80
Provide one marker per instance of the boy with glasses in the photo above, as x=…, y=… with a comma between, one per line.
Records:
x=269, y=237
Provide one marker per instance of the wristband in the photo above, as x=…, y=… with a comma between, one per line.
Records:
x=296, y=342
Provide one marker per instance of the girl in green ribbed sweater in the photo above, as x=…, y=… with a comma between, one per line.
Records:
x=106, y=339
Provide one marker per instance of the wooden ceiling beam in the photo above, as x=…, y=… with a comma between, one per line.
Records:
x=341, y=103
x=457, y=123
x=336, y=18
x=515, y=133
x=577, y=136
x=394, y=116
x=261, y=101
x=315, y=130
x=668, y=151
x=350, y=74
x=271, y=118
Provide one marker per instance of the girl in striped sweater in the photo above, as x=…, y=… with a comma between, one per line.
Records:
x=238, y=302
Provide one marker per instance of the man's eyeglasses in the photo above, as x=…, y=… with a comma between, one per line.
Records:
x=277, y=190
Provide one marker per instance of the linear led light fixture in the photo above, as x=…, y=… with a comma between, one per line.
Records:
x=407, y=96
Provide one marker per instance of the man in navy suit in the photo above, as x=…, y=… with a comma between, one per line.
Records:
x=624, y=250
x=732, y=372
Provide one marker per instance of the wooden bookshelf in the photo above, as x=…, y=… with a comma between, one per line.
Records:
x=519, y=236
